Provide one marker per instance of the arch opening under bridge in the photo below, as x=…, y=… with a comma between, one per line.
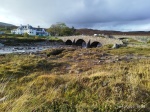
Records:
x=81, y=43
x=68, y=42
x=95, y=44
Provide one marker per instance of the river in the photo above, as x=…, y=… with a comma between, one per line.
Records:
x=32, y=48
x=23, y=49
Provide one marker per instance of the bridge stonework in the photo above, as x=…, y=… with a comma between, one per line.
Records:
x=89, y=40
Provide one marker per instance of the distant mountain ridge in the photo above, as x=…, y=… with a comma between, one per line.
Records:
x=109, y=32
x=5, y=24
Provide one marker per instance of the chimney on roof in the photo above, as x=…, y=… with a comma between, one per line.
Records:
x=28, y=25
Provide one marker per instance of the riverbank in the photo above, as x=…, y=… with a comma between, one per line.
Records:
x=28, y=45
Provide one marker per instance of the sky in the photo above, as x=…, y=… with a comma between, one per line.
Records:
x=121, y=15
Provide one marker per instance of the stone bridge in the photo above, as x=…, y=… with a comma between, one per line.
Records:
x=89, y=41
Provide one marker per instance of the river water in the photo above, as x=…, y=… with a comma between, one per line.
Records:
x=26, y=49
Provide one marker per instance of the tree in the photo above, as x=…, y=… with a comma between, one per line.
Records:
x=60, y=29
x=66, y=31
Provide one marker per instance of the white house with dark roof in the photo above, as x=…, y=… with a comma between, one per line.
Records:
x=30, y=30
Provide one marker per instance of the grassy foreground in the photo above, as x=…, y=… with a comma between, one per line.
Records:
x=76, y=80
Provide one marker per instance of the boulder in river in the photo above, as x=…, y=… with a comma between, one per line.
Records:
x=115, y=46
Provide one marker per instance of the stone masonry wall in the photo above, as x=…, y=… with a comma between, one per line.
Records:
x=91, y=39
x=136, y=37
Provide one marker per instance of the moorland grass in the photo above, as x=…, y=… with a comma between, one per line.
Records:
x=44, y=84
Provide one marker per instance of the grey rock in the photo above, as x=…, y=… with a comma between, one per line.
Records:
x=1, y=45
x=115, y=46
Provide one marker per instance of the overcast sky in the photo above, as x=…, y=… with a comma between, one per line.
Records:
x=123, y=15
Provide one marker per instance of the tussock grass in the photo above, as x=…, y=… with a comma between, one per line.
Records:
x=130, y=50
x=74, y=83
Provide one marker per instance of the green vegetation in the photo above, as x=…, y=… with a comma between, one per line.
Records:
x=54, y=39
x=130, y=50
x=19, y=41
x=60, y=29
x=69, y=80
x=148, y=42
x=26, y=35
x=15, y=40
x=6, y=27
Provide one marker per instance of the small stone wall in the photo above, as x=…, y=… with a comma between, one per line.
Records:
x=136, y=37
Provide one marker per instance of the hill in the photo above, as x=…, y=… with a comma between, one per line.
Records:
x=6, y=27
x=5, y=24
x=107, y=32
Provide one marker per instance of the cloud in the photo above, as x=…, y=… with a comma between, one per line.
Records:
x=106, y=14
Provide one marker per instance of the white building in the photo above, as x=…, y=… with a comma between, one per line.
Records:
x=30, y=30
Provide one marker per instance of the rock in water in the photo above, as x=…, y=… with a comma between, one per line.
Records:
x=1, y=45
x=115, y=46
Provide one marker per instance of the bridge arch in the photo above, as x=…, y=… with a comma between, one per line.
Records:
x=81, y=42
x=95, y=44
x=68, y=42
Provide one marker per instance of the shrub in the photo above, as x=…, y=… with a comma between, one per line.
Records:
x=148, y=42
x=26, y=35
